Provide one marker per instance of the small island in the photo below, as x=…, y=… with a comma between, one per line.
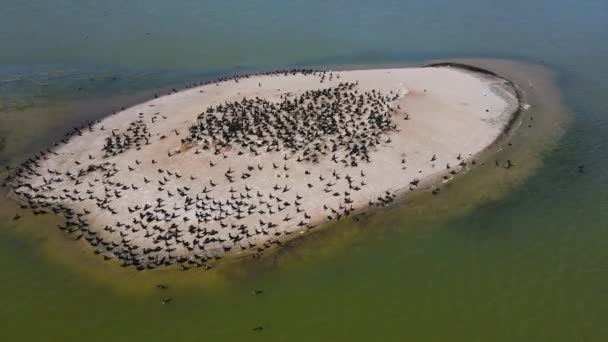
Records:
x=242, y=164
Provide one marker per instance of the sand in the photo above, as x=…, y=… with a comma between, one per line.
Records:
x=444, y=117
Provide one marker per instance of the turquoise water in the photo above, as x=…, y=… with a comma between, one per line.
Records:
x=526, y=262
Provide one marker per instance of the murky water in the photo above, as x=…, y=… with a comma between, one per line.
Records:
x=500, y=255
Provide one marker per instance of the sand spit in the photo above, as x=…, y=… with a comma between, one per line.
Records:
x=241, y=164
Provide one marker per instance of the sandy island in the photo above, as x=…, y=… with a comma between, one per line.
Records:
x=243, y=163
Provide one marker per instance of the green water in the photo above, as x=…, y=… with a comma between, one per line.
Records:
x=498, y=256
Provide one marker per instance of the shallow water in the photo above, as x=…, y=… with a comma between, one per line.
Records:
x=514, y=255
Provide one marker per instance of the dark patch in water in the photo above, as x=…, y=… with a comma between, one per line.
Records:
x=463, y=66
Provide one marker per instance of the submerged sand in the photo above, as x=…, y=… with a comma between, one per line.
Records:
x=144, y=186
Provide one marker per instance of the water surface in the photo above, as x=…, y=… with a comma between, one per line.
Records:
x=499, y=256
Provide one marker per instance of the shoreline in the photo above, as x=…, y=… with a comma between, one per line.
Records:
x=512, y=117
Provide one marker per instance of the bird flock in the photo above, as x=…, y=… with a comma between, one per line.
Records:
x=337, y=120
x=312, y=149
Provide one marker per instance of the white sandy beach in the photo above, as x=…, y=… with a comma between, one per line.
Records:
x=444, y=116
